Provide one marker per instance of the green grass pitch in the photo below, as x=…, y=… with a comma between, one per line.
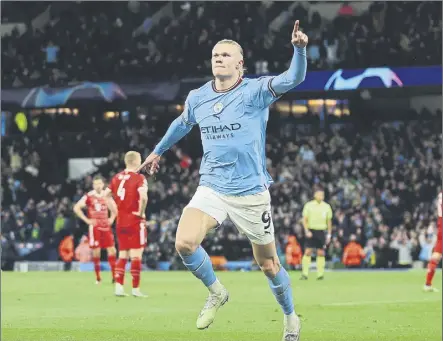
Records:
x=346, y=306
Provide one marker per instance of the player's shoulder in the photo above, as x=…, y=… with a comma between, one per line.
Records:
x=119, y=175
x=307, y=205
x=250, y=82
x=89, y=195
x=140, y=177
x=326, y=204
x=195, y=95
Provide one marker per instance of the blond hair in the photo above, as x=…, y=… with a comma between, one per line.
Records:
x=233, y=42
x=130, y=158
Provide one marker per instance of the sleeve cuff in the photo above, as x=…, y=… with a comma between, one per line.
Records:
x=271, y=90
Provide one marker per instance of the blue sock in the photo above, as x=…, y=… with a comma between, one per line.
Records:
x=281, y=287
x=200, y=265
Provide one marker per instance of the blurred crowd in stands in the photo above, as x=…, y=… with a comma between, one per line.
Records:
x=65, y=42
x=381, y=180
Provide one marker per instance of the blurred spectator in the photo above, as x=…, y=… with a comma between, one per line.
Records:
x=89, y=41
x=353, y=253
x=427, y=241
x=293, y=253
x=335, y=251
x=371, y=175
x=51, y=52
x=66, y=251
x=9, y=253
x=404, y=245
x=83, y=252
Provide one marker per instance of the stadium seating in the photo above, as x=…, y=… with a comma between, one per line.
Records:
x=370, y=176
x=162, y=40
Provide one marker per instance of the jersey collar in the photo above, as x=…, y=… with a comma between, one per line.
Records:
x=237, y=83
x=96, y=194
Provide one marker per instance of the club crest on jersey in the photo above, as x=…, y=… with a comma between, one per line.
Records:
x=218, y=107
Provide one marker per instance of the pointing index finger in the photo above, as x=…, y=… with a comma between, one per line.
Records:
x=296, y=25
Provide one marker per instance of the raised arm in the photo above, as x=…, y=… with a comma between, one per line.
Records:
x=266, y=90
x=297, y=70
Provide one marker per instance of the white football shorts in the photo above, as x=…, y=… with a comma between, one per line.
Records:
x=251, y=214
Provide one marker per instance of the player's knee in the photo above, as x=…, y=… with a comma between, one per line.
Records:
x=111, y=251
x=270, y=267
x=185, y=247
x=123, y=254
x=136, y=253
x=321, y=253
x=308, y=252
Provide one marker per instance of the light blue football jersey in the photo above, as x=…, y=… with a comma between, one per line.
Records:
x=232, y=126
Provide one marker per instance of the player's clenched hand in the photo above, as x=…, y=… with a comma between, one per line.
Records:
x=308, y=234
x=298, y=38
x=151, y=164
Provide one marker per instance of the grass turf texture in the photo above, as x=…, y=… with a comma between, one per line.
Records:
x=357, y=306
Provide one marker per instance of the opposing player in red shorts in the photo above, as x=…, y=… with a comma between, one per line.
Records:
x=100, y=232
x=130, y=191
x=437, y=251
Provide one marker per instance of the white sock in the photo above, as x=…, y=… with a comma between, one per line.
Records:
x=291, y=321
x=216, y=287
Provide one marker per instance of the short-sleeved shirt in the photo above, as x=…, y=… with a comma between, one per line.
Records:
x=97, y=209
x=318, y=214
x=125, y=188
x=232, y=126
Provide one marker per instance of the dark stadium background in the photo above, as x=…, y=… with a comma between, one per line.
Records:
x=121, y=73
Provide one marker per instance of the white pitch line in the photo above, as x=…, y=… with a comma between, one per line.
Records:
x=339, y=304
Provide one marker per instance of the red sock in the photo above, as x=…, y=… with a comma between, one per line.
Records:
x=432, y=265
x=111, y=260
x=136, y=267
x=120, y=270
x=96, y=261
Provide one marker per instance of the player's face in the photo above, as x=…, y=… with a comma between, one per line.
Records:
x=226, y=61
x=319, y=195
x=98, y=185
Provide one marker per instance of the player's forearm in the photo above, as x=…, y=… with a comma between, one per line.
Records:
x=176, y=131
x=113, y=215
x=143, y=202
x=113, y=209
x=329, y=227
x=294, y=75
x=78, y=211
x=305, y=224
